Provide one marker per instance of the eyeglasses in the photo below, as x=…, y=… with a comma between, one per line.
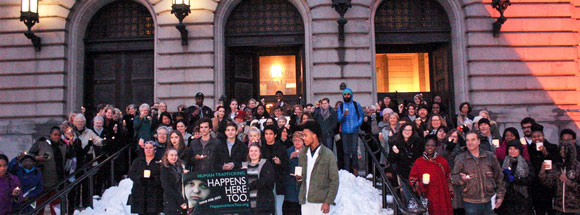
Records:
x=527, y=127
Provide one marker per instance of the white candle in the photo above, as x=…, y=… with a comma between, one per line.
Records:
x=298, y=171
x=538, y=144
x=548, y=164
x=146, y=173
x=426, y=178
x=495, y=142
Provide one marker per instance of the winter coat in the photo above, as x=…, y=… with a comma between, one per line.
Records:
x=238, y=155
x=86, y=145
x=31, y=181
x=324, y=182
x=192, y=119
x=567, y=195
x=146, y=194
x=437, y=191
x=7, y=184
x=327, y=125
x=408, y=153
x=196, y=148
x=281, y=170
x=514, y=202
x=542, y=194
x=264, y=184
x=351, y=122
x=171, y=183
x=292, y=188
x=49, y=167
x=486, y=144
x=486, y=176
x=142, y=128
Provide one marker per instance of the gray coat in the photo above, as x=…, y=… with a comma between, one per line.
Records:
x=48, y=168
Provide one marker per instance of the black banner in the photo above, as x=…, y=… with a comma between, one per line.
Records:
x=217, y=192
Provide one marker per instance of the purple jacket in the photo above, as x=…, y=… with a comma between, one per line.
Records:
x=7, y=184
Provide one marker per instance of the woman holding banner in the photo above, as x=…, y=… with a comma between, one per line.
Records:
x=261, y=177
x=173, y=202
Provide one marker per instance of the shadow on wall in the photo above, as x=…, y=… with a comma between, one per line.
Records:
x=529, y=70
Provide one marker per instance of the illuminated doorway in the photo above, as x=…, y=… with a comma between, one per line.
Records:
x=264, y=51
x=412, y=51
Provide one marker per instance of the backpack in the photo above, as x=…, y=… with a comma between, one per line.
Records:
x=355, y=108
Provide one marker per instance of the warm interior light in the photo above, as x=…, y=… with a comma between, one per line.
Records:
x=403, y=72
x=276, y=71
x=291, y=85
x=185, y=2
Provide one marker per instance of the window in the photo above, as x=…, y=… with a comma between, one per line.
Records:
x=277, y=73
x=403, y=72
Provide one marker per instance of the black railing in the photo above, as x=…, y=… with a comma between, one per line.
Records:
x=399, y=204
x=62, y=189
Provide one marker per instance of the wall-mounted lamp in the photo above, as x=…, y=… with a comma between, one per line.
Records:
x=181, y=9
x=341, y=6
x=29, y=15
x=500, y=6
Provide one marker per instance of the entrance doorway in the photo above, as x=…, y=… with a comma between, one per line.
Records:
x=413, y=51
x=264, y=51
x=119, y=56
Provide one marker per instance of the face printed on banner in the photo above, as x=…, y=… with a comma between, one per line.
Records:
x=196, y=191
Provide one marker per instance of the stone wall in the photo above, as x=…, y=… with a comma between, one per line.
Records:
x=530, y=70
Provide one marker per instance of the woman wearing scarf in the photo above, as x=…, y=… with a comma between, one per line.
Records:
x=517, y=176
x=430, y=176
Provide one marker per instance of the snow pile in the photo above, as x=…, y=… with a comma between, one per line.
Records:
x=113, y=201
x=357, y=195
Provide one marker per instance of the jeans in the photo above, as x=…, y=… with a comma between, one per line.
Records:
x=279, y=201
x=350, y=147
x=329, y=142
x=478, y=208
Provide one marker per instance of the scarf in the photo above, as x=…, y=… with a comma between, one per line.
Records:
x=325, y=113
x=427, y=157
x=521, y=170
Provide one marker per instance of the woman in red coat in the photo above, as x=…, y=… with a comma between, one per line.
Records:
x=430, y=175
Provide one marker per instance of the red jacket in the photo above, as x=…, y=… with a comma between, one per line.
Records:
x=437, y=191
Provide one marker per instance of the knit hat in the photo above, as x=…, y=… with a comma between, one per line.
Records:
x=484, y=120
x=347, y=90
x=537, y=127
x=515, y=143
x=27, y=156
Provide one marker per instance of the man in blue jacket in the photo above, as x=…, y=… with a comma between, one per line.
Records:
x=350, y=116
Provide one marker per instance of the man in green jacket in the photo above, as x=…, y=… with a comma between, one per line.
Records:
x=319, y=178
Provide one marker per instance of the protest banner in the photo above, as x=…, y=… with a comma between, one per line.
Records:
x=216, y=192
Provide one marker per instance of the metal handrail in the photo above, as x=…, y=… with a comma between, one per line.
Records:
x=386, y=184
x=68, y=187
x=62, y=183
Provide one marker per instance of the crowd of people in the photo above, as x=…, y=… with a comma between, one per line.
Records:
x=457, y=163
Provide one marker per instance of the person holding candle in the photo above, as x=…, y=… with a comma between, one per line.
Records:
x=510, y=134
x=291, y=205
x=518, y=175
x=563, y=178
x=146, y=195
x=231, y=152
x=10, y=191
x=480, y=175
x=542, y=196
x=431, y=176
x=276, y=153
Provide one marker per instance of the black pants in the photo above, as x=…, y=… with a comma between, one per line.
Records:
x=542, y=209
x=291, y=208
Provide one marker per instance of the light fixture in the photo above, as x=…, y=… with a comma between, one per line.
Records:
x=500, y=6
x=181, y=9
x=341, y=6
x=276, y=71
x=29, y=15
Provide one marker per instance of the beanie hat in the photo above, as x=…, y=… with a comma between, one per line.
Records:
x=515, y=143
x=484, y=120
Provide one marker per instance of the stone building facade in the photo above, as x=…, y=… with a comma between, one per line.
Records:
x=531, y=69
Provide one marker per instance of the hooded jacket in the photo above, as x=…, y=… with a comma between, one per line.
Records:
x=352, y=121
x=567, y=196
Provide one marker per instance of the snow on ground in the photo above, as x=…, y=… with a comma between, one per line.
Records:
x=113, y=202
x=356, y=195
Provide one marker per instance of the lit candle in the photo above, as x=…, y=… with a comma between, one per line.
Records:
x=146, y=173
x=495, y=142
x=548, y=164
x=538, y=145
x=426, y=178
x=523, y=141
x=298, y=171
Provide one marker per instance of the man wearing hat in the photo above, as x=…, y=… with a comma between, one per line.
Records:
x=30, y=177
x=488, y=141
x=198, y=111
x=350, y=116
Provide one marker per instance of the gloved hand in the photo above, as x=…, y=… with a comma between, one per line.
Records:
x=510, y=178
x=507, y=172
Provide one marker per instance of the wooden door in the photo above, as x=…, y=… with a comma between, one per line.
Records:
x=442, y=74
x=242, y=74
x=118, y=78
